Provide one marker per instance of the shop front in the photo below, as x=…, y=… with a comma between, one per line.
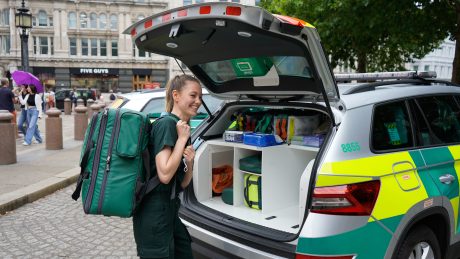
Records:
x=103, y=79
x=46, y=75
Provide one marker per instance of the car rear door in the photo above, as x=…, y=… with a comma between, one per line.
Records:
x=242, y=51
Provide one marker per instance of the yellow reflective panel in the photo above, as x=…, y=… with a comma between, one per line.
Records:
x=377, y=165
x=394, y=201
x=115, y=104
x=332, y=180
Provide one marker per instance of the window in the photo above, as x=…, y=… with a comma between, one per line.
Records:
x=72, y=20
x=41, y=45
x=42, y=18
x=103, y=44
x=427, y=68
x=5, y=17
x=391, y=127
x=415, y=68
x=5, y=44
x=52, y=45
x=113, y=22
x=73, y=46
x=83, y=20
x=199, y=1
x=102, y=21
x=442, y=115
x=187, y=2
x=34, y=21
x=93, y=21
x=93, y=47
x=114, y=48
x=84, y=47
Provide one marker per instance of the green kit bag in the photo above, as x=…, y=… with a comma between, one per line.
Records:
x=115, y=163
x=253, y=191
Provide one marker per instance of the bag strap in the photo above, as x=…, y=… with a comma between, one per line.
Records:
x=84, y=160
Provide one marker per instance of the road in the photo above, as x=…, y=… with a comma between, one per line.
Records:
x=56, y=227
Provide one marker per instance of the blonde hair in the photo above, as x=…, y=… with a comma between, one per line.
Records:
x=177, y=83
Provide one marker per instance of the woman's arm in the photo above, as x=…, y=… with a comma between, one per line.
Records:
x=23, y=101
x=38, y=104
x=189, y=155
x=168, y=160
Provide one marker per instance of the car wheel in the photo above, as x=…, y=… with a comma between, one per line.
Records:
x=420, y=243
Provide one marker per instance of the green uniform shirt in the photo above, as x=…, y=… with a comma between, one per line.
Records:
x=164, y=134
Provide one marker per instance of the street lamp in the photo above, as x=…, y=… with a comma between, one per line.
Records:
x=23, y=22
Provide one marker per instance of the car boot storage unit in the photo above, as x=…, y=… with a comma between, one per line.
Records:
x=281, y=171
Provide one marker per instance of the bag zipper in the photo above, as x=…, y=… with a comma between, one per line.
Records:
x=97, y=158
x=107, y=162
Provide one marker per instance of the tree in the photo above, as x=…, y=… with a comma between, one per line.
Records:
x=455, y=35
x=378, y=35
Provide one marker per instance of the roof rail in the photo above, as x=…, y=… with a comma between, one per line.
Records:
x=384, y=76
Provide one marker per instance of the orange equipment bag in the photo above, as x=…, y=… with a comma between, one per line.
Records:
x=222, y=177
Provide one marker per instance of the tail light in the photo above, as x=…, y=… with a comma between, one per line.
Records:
x=351, y=199
x=300, y=256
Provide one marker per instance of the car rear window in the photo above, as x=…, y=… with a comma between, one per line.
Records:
x=227, y=70
x=391, y=127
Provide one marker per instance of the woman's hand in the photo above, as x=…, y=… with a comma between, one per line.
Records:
x=183, y=130
x=189, y=155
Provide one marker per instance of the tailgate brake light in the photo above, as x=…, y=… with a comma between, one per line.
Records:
x=351, y=199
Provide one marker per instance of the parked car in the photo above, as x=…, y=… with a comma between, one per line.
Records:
x=367, y=170
x=153, y=102
x=81, y=93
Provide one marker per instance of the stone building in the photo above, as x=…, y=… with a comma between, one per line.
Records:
x=79, y=43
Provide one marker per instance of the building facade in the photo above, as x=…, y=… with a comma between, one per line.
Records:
x=78, y=43
x=439, y=60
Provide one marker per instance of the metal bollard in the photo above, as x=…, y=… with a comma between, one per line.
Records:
x=80, y=102
x=67, y=106
x=95, y=108
x=89, y=103
x=53, y=128
x=80, y=122
x=7, y=138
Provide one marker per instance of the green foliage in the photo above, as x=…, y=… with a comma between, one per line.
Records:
x=378, y=35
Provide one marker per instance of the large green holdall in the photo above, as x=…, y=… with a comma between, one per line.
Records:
x=115, y=169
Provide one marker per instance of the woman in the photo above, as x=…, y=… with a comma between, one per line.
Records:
x=158, y=231
x=23, y=117
x=33, y=103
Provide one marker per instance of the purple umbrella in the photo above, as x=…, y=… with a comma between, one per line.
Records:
x=26, y=78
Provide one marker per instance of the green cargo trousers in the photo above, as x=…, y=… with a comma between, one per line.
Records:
x=158, y=231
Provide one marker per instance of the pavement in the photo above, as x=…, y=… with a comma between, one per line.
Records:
x=38, y=171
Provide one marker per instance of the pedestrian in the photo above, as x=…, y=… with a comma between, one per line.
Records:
x=158, y=231
x=23, y=116
x=50, y=99
x=7, y=99
x=112, y=96
x=33, y=102
x=73, y=97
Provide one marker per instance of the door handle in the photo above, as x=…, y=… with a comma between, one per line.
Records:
x=447, y=179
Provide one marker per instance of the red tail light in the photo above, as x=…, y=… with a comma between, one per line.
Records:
x=205, y=9
x=233, y=10
x=300, y=256
x=351, y=199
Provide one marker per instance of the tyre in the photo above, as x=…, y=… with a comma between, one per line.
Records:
x=419, y=243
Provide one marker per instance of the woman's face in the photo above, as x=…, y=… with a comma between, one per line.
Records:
x=29, y=90
x=188, y=99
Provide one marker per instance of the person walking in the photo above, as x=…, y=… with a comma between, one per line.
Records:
x=7, y=99
x=33, y=103
x=23, y=116
x=158, y=231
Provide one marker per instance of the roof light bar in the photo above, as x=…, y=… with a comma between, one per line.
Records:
x=384, y=76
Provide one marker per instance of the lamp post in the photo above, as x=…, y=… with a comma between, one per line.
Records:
x=23, y=22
